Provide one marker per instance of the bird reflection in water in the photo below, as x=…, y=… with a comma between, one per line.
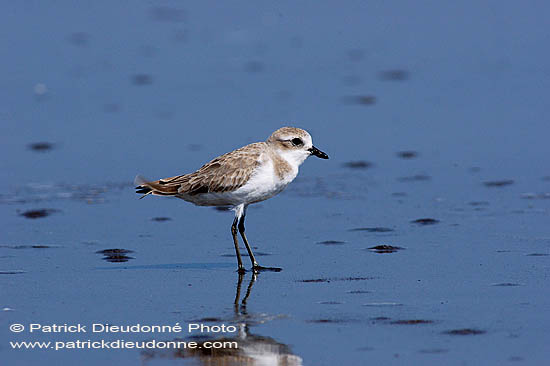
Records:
x=252, y=349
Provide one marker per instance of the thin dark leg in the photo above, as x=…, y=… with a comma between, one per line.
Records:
x=255, y=266
x=250, y=254
x=236, y=242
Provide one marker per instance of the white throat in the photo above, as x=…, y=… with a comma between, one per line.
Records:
x=294, y=157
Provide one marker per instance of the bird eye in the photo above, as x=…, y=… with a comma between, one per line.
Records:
x=297, y=141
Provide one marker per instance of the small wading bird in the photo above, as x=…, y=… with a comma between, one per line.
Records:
x=241, y=177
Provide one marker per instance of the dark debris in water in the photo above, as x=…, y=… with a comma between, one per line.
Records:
x=498, y=183
x=408, y=154
x=41, y=146
x=39, y=213
x=425, y=221
x=365, y=100
x=116, y=255
x=334, y=279
x=412, y=322
x=142, y=79
x=331, y=242
x=114, y=251
x=355, y=292
x=537, y=255
x=11, y=272
x=506, y=284
x=161, y=219
x=478, y=203
x=357, y=164
x=37, y=246
x=380, y=319
x=383, y=249
x=382, y=304
x=515, y=358
x=464, y=331
x=394, y=75
x=415, y=178
x=373, y=229
x=328, y=321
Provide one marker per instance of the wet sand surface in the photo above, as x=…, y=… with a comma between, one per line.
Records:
x=424, y=240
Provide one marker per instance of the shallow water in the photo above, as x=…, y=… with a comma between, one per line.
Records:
x=423, y=240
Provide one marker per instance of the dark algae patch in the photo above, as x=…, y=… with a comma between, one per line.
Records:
x=412, y=322
x=415, y=178
x=357, y=164
x=373, y=229
x=365, y=100
x=478, y=203
x=425, y=221
x=498, y=183
x=116, y=255
x=394, y=75
x=383, y=249
x=464, y=332
x=331, y=242
x=319, y=280
x=328, y=321
x=161, y=219
x=408, y=154
x=41, y=146
x=37, y=214
x=142, y=79
x=37, y=246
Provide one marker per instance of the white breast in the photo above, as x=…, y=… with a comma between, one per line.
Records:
x=264, y=183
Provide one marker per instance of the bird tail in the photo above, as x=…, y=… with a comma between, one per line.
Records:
x=156, y=187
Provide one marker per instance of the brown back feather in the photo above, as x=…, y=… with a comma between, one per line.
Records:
x=224, y=173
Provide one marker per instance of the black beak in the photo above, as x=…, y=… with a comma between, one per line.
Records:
x=318, y=153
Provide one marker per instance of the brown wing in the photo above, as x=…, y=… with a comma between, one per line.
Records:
x=225, y=173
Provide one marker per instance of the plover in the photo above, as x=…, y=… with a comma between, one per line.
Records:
x=241, y=177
